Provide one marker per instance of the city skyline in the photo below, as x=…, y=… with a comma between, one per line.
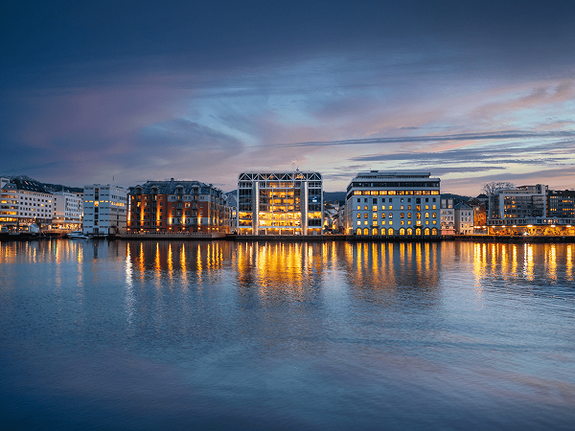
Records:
x=472, y=93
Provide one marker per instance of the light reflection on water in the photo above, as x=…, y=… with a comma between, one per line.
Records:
x=210, y=335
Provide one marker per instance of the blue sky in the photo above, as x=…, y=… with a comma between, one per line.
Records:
x=124, y=92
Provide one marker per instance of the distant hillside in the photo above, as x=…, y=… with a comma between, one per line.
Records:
x=334, y=196
x=456, y=198
x=27, y=182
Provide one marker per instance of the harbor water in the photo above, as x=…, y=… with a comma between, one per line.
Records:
x=186, y=335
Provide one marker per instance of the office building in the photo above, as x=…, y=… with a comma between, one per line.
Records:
x=68, y=209
x=24, y=201
x=105, y=209
x=280, y=203
x=393, y=204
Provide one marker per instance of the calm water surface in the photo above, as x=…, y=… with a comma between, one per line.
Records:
x=98, y=335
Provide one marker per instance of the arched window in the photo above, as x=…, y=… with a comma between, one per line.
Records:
x=358, y=232
x=374, y=231
x=434, y=231
x=418, y=231
x=402, y=231
x=366, y=231
x=390, y=231
x=383, y=231
x=426, y=231
x=409, y=231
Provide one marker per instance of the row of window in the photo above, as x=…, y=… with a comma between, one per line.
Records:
x=391, y=232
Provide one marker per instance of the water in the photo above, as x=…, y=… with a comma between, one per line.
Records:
x=98, y=335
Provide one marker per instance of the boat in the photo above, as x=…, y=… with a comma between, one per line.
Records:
x=78, y=234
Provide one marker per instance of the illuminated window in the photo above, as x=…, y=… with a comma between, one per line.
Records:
x=402, y=215
x=359, y=222
x=358, y=215
x=365, y=208
x=375, y=222
x=390, y=231
x=366, y=231
x=426, y=232
x=390, y=222
x=358, y=232
x=364, y=215
x=402, y=231
x=383, y=207
x=391, y=207
x=383, y=231
x=408, y=215
x=365, y=222
x=374, y=231
x=426, y=215
x=374, y=208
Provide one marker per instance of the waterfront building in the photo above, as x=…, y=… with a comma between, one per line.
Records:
x=23, y=202
x=393, y=204
x=105, y=209
x=561, y=204
x=177, y=206
x=232, y=212
x=463, y=219
x=530, y=210
x=68, y=210
x=515, y=206
x=447, y=217
x=280, y=203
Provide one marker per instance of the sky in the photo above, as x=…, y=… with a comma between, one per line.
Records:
x=123, y=92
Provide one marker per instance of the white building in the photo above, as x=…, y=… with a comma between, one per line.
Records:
x=393, y=204
x=24, y=201
x=280, y=203
x=464, y=224
x=68, y=209
x=447, y=217
x=105, y=209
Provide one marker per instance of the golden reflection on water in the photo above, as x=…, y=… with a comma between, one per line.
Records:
x=528, y=261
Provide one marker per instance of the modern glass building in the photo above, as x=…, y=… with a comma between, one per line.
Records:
x=393, y=204
x=280, y=203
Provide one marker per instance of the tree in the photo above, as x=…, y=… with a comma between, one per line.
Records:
x=495, y=186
